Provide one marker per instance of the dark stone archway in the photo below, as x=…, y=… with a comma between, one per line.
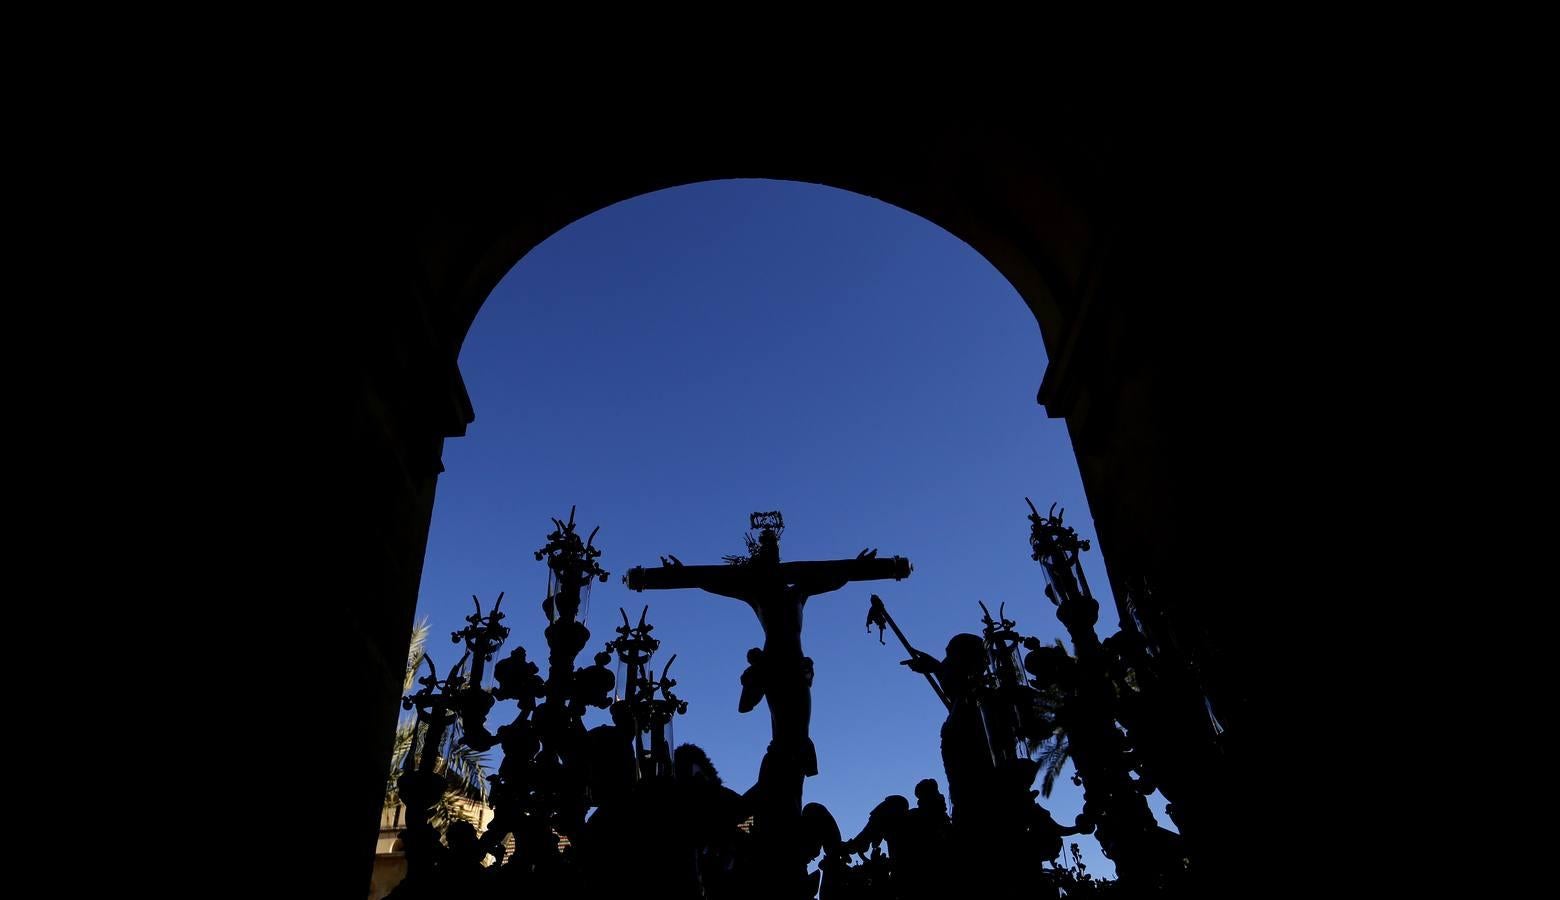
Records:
x=1088, y=224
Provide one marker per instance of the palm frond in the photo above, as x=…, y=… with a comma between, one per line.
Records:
x=446, y=811
x=1053, y=759
x=465, y=768
x=404, y=732
x=414, y=654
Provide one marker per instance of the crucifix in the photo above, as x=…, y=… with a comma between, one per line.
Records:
x=776, y=592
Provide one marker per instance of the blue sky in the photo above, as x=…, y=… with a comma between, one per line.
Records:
x=676, y=361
